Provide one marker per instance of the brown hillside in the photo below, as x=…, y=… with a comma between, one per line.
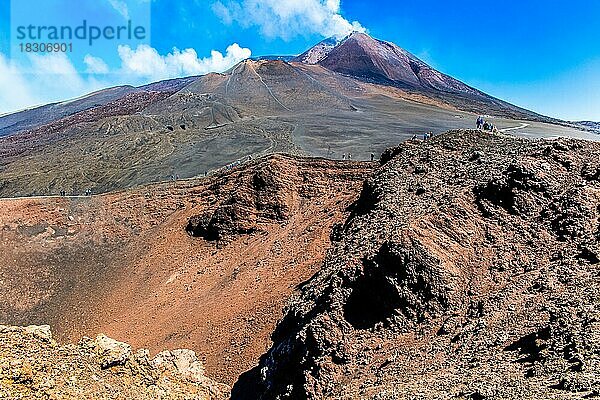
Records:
x=128, y=264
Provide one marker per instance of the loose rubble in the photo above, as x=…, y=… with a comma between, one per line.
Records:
x=34, y=366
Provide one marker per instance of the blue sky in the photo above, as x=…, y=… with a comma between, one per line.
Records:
x=542, y=55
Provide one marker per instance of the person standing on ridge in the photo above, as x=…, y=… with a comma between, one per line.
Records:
x=480, y=122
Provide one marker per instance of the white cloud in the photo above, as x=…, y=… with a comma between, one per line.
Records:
x=145, y=61
x=39, y=80
x=121, y=7
x=42, y=79
x=54, y=73
x=223, y=12
x=287, y=18
x=95, y=65
x=14, y=90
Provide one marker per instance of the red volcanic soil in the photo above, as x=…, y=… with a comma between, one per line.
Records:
x=202, y=264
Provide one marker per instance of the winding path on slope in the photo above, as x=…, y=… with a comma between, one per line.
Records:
x=514, y=128
x=44, y=197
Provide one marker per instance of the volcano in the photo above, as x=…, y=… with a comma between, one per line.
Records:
x=243, y=216
x=356, y=96
x=364, y=57
x=376, y=61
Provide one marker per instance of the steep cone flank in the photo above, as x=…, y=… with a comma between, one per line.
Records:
x=362, y=56
x=375, y=61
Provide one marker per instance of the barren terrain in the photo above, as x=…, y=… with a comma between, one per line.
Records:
x=34, y=366
x=468, y=268
x=126, y=137
x=124, y=264
x=223, y=220
x=465, y=265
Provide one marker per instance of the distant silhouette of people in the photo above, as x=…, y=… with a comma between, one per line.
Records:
x=344, y=156
x=480, y=122
x=414, y=137
x=372, y=157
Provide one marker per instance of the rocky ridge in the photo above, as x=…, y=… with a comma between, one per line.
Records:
x=125, y=265
x=34, y=366
x=468, y=268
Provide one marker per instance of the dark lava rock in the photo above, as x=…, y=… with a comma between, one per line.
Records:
x=260, y=197
x=483, y=286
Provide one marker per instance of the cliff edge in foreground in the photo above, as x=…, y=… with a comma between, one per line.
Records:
x=34, y=366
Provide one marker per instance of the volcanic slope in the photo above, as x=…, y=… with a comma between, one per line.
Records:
x=373, y=60
x=202, y=264
x=468, y=268
x=35, y=117
x=188, y=127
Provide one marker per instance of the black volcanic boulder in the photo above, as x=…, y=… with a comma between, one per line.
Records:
x=226, y=221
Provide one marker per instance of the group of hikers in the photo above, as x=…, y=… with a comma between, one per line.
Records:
x=425, y=136
x=348, y=156
x=485, y=125
x=481, y=124
x=88, y=192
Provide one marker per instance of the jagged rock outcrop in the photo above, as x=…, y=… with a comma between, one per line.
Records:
x=34, y=366
x=468, y=268
x=263, y=196
x=270, y=193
